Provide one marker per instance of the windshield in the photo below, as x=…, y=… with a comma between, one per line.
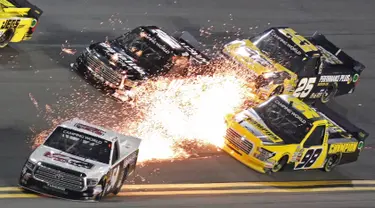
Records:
x=140, y=46
x=280, y=51
x=80, y=144
x=284, y=121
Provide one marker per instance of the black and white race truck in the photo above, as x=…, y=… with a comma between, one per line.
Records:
x=80, y=161
x=143, y=53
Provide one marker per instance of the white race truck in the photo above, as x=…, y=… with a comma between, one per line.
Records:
x=80, y=161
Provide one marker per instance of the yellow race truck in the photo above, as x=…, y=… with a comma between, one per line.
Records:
x=18, y=20
x=281, y=61
x=286, y=133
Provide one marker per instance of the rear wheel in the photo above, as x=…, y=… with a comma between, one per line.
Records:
x=124, y=177
x=6, y=37
x=279, y=166
x=330, y=94
x=332, y=162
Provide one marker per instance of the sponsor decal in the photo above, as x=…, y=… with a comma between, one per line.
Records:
x=335, y=78
x=290, y=111
x=196, y=55
x=82, y=136
x=283, y=41
x=129, y=159
x=121, y=58
x=66, y=159
x=343, y=148
x=155, y=42
x=360, y=145
x=90, y=129
x=355, y=78
x=10, y=23
x=262, y=128
x=255, y=55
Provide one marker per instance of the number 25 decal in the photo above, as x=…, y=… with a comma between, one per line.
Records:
x=309, y=159
x=304, y=87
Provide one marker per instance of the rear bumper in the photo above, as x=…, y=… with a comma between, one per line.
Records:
x=28, y=182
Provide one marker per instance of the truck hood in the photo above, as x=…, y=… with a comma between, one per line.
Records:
x=91, y=168
x=248, y=55
x=114, y=56
x=255, y=125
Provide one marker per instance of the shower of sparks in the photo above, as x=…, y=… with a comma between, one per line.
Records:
x=174, y=117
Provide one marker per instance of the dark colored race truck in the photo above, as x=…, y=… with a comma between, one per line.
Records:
x=136, y=56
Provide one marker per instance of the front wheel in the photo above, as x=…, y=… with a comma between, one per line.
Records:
x=279, y=166
x=278, y=91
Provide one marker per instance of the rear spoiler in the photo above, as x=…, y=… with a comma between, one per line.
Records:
x=341, y=121
x=34, y=12
x=190, y=44
x=320, y=40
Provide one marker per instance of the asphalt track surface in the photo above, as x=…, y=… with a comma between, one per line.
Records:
x=39, y=70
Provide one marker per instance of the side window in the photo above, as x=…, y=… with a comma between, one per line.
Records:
x=115, y=153
x=316, y=138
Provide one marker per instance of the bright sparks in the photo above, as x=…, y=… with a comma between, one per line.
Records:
x=173, y=116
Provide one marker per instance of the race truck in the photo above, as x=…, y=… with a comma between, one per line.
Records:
x=284, y=133
x=138, y=55
x=18, y=20
x=80, y=161
x=280, y=61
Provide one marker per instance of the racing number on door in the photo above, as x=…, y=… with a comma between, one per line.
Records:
x=309, y=159
x=304, y=87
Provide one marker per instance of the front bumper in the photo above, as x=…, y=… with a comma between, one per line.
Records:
x=99, y=72
x=28, y=182
x=246, y=159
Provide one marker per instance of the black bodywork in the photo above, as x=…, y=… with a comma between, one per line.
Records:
x=352, y=133
x=328, y=71
x=108, y=62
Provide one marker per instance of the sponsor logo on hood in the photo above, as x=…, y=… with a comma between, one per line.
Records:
x=263, y=133
x=69, y=160
x=121, y=57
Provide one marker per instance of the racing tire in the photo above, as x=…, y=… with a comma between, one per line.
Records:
x=6, y=37
x=102, y=194
x=124, y=177
x=331, y=162
x=279, y=166
x=331, y=92
x=278, y=91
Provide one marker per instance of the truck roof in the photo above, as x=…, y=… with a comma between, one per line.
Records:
x=300, y=41
x=301, y=107
x=98, y=131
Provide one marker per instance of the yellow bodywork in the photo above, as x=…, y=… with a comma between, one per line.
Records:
x=294, y=152
x=236, y=50
x=16, y=20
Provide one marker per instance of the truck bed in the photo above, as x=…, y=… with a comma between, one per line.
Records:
x=348, y=61
x=341, y=121
x=35, y=12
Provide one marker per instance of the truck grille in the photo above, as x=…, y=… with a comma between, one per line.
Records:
x=236, y=140
x=100, y=69
x=58, y=177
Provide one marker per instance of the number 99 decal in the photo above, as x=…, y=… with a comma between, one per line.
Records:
x=304, y=87
x=309, y=158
